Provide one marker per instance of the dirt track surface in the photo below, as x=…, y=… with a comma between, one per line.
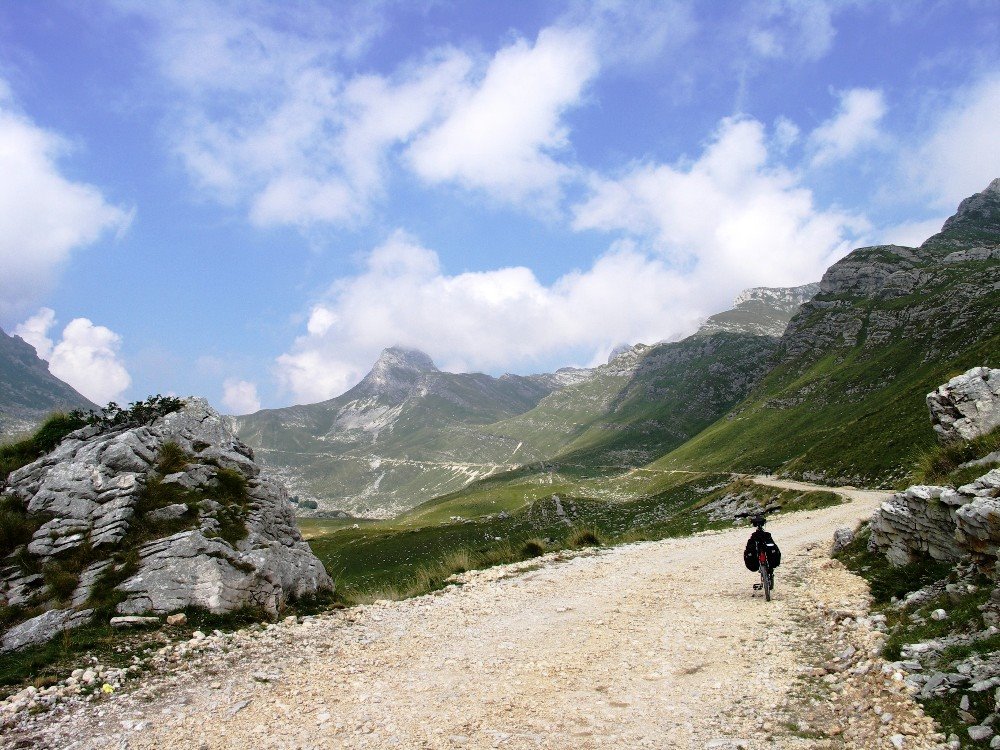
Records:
x=867, y=497
x=657, y=645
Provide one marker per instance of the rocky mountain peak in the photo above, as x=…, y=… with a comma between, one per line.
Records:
x=396, y=373
x=397, y=358
x=979, y=213
x=761, y=311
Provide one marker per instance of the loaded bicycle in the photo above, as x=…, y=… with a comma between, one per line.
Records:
x=762, y=555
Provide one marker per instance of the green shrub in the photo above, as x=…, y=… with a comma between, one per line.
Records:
x=16, y=526
x=62, y=582
x=231, y=487
x=136, y=414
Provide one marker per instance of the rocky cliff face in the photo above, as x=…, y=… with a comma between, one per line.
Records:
x=28, y=391
x=888, y=293
x=967, y=406
x=149, y=519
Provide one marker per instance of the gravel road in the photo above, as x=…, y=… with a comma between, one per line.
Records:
x=657, y=644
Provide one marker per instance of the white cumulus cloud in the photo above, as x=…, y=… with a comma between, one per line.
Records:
x=86, y=356
x=240, y=396
x=501, y=133
x=35, y=330
x=732, y=217
x=274, y=115
x=855, y=125
x=44, y=217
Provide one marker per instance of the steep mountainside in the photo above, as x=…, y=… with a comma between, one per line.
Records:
x=406, y=431
x=28, y=391
x=889, y=324
x=650, y=399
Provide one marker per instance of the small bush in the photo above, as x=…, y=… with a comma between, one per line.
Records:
x=532, y=548
x=232, y=487
x=136, y=414
x=584, y=538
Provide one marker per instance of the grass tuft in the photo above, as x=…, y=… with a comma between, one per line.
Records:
x=584, y=538
x=172, y=459
x=887, y=581
x=532, y=548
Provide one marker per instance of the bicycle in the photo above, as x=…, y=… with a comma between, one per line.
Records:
x=765, y=576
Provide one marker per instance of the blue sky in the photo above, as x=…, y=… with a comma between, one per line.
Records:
x=248, y=201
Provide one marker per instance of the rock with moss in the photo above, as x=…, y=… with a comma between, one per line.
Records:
x=150, y=519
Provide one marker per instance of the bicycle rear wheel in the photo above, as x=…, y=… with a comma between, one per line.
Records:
x=765, y=579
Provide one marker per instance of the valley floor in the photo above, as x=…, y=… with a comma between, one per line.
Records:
x=656, y=644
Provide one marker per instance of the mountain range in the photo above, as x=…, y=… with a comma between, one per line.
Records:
x=408, y=431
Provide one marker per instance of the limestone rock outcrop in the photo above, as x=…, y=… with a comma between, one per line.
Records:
x=967, y=406
x=948, y=523
x=150, y=520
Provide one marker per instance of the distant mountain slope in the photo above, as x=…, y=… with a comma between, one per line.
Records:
x=650, y=399
x=28, y=391
x=888, y=325
x=406, y=432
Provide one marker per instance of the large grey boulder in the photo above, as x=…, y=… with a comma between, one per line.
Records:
x=198, y=547
x=967, y=406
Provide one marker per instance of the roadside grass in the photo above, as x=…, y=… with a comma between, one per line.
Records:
x=939, y=465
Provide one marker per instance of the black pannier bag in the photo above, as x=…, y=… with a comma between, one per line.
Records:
x=773, y=554
x=750, y=559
